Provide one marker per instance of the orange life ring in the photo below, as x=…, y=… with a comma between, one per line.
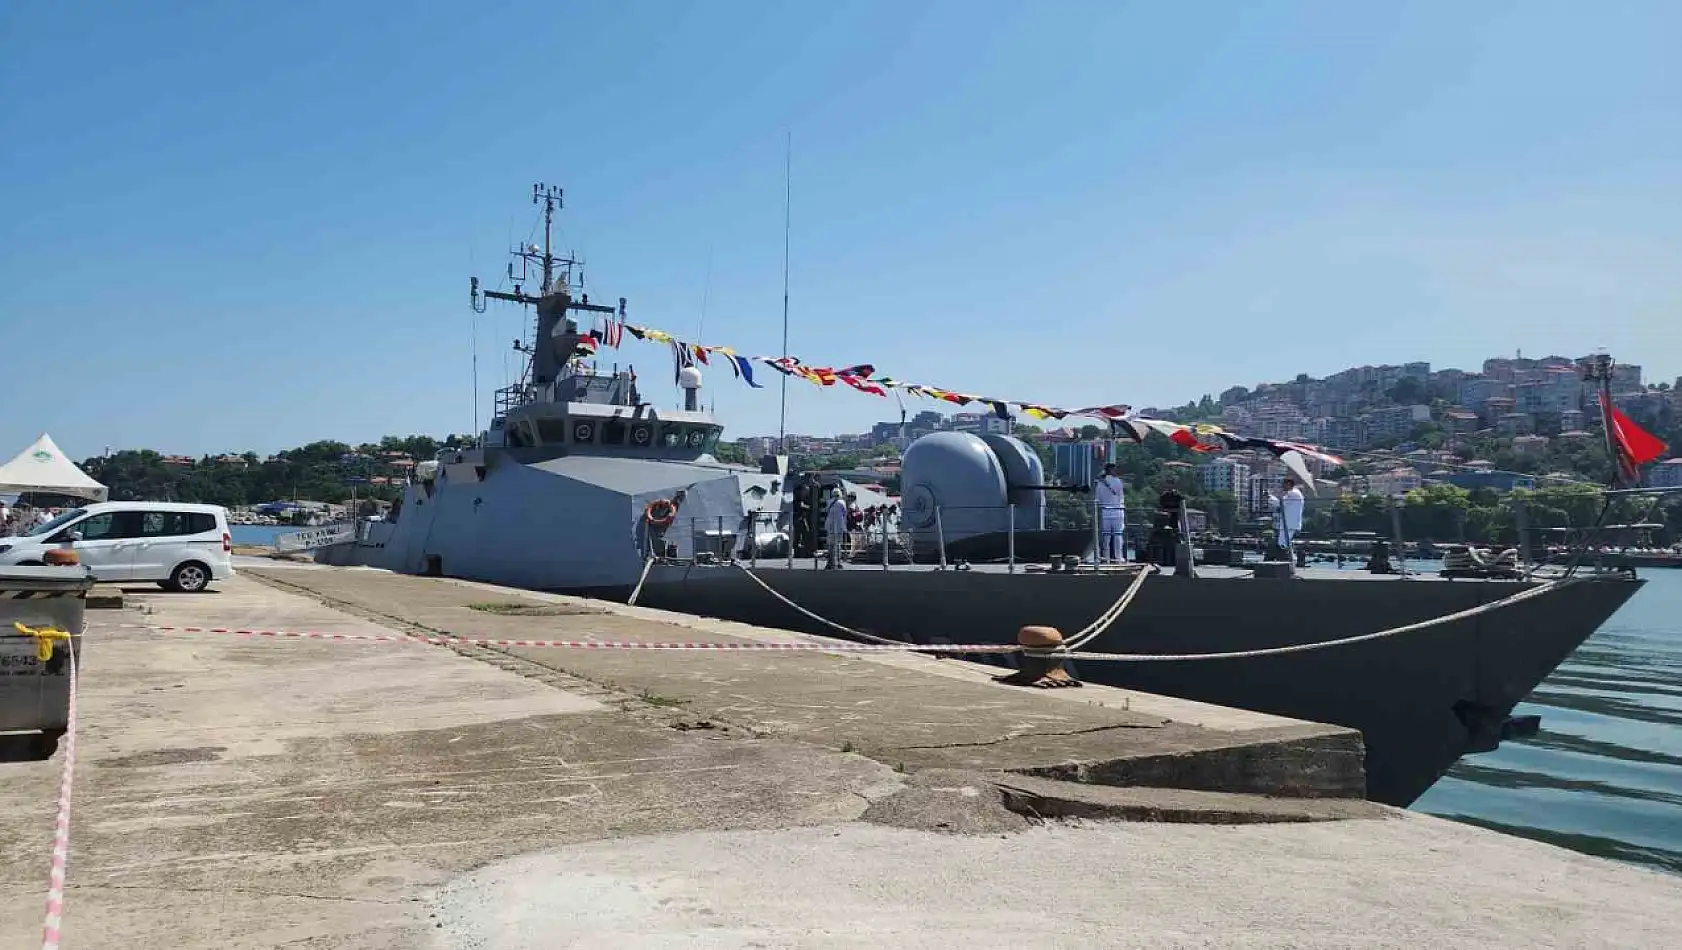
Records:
x=660, y=513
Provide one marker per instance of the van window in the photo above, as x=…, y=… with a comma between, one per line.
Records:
x=99, y=527
x=169, y=524
x=53, y=525
x=110, y=526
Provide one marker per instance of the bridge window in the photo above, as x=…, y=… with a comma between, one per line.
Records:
x=613, y=431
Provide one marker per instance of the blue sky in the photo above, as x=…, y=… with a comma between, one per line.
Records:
x=227, y=225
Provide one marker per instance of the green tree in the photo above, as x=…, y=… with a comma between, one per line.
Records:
x=1068, y=510
x=1436, y=512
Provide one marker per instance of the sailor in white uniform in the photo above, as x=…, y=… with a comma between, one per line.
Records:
x=1109, y=491
x=835, y=527
x=1288, y=506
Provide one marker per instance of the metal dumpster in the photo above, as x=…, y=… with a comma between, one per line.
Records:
x=35, y=693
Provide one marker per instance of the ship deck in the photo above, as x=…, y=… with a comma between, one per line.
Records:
x=1208, y=572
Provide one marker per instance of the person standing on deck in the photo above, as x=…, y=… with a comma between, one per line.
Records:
x=835, y=527
x=1110, y=495
x=1288, y=505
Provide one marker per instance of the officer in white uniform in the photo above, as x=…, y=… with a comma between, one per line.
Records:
x=1289, y=505
x=1111, y=497
x=835, y=527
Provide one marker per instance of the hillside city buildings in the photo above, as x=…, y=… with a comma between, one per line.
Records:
x=1531, y=404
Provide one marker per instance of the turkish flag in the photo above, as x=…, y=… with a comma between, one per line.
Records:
x=1635, y=443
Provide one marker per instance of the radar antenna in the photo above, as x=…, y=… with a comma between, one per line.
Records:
x=555, y=334
x=1598, y=369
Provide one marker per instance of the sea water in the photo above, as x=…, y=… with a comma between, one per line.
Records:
x=1604, y=774
x=263, y=534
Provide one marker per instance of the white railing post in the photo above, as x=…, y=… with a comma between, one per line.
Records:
x=1010, y=539
x=940, y=537
x=1097, y=536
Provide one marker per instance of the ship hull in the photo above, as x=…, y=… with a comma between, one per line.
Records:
x=1421, y=700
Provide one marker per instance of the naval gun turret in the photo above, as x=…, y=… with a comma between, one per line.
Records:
x=969, y=493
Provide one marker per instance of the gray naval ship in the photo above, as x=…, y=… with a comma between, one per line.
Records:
x=582, y=484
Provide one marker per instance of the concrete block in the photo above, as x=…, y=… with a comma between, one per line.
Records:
x=1048, y=798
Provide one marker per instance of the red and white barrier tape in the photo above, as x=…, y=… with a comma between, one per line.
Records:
x=743, y=646
x=61, y=825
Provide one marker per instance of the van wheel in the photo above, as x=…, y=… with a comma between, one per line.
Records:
x=190, y=578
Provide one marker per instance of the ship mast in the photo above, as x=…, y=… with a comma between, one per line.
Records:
x=554, y=330
x=1598, y=369
x=788, y=196
x=551, y=196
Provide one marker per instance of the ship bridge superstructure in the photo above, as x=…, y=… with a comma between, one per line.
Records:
x=580, y=478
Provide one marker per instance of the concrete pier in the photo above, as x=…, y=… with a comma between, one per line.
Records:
x=911, y=712
x=236, y=793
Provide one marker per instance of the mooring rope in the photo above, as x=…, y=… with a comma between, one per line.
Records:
x=1085, y=635
x=1071, y=649
x=1469, y=612
x=873, y=638
x=1108, y=618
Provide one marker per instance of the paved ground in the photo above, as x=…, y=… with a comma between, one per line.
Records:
x=1410, y=883
x=894, y=711
x=256, y=793
x=236, y=793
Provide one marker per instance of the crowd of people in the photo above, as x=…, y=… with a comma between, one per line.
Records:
x=21, y=519
x=844, y=518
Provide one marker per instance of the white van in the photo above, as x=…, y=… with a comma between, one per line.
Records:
x=181, y=547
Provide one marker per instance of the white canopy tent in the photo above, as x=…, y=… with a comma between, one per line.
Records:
x=43, y=467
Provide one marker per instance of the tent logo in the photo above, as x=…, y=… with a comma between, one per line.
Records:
x=42, y=455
